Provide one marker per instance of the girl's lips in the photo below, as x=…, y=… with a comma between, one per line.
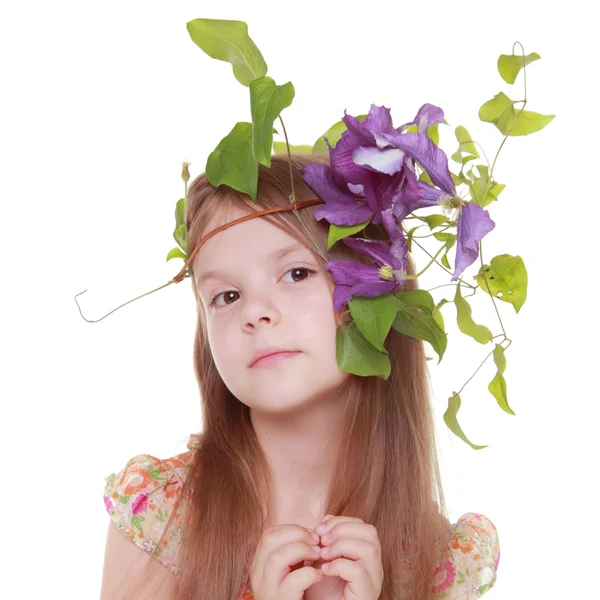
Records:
x=273, y=360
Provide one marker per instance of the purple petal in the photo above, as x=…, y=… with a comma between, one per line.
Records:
x=357, y=130
x=367, y=133
x=381, y=192
x=415, y=194
x=427, y=154
x=340, y=208
x=351, y=272
x=399, y=248
x=473, y=225
x=428, y=115
x=383, y=286
x=341, y=159
x=387, y=161
x=375, y=249
x=342, y=294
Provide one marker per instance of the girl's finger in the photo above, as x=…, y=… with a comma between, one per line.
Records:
x=327, y=524
x=353, y=549
x=348, y=529
x=360, y=582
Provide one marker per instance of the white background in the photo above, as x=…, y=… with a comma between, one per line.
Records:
x=102, y=101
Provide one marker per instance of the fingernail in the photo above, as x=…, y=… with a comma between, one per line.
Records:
x=317, y=549
x=321, y=528
x=314, y=536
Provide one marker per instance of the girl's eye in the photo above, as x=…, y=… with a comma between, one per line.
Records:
x=296, y=272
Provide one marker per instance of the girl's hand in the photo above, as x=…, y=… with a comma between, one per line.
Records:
x=351, y=551
x=277, y=570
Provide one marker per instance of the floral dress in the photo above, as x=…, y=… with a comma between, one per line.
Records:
x=147, y=492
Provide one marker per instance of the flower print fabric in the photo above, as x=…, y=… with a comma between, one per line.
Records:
x=147, y=492
x=144, y=495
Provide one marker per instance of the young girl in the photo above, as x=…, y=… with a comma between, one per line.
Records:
x=290, y=442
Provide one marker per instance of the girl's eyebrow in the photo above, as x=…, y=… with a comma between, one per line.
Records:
x=275, y=255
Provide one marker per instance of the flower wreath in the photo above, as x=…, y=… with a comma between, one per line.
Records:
x=381, y=175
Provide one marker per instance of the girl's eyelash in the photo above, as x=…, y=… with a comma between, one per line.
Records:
x=212, y=300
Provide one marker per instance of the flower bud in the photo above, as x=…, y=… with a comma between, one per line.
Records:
x=185, y=172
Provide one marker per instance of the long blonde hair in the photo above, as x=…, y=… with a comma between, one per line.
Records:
x=387, y=472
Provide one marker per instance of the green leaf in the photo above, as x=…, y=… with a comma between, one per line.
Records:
x=176, y=253
x=444, y=236
x=482, y=186
x=509, y=65
x=267, y=100
x=333, y=134
x=460, y=178
x=232, y=162
x=357, y=355
x=465, y=146
x=180, y=233
x=465, y=140
x=136, y=521
x=437, y=314
x=373, y=316
x=229, y=41
x=480, y=333
x=180, y=236
x=499, y=358
x=280, y=148
x=410, y=236
x=529, y=122
x=445, y=261
x=493, y=109
x=500, y=111
x=450, y=418
x=497, y=386
x=180, y=212
x=337, y=232
x=418, y=298
x=434, y=220
x=449, y=238
x=433, y=133
x=416, y=321
x=507, y=278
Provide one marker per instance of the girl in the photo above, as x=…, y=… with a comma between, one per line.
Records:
x=306, y=482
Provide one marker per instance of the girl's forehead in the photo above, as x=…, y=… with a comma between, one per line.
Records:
x=254, y=238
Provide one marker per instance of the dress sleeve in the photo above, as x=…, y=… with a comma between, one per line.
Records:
x=142, y=497
x=475, y=552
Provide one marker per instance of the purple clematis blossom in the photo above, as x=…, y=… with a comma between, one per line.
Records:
x=368, y=174
x=371, y=176
x=358, y=279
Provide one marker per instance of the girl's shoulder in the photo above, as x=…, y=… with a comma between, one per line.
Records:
x=475, y=551
x=145, y=495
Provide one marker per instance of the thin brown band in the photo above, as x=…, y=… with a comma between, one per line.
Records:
x=292, y=207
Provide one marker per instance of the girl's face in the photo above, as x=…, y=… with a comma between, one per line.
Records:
x=260, y=288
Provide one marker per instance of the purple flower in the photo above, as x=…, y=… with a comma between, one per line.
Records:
x=473, y=225
x=368, y=174
x=358, y=279
x=371, y=176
